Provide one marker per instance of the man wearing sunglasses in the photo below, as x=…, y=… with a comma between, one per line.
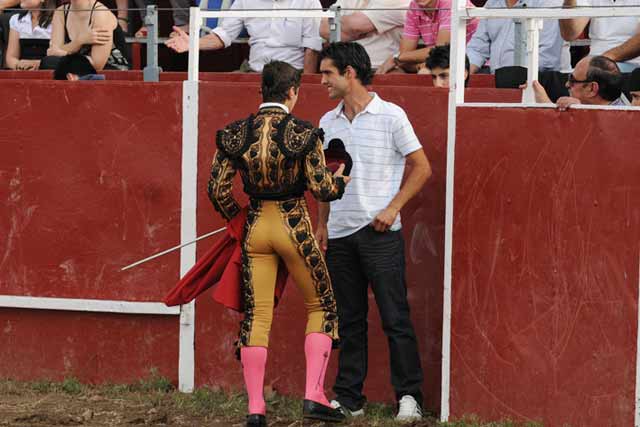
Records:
x=596, y=80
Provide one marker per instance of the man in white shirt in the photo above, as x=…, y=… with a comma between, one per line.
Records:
x=295, y=41
x=608, y=35
x=378, y=30
x=494, y=39
x=361, y=233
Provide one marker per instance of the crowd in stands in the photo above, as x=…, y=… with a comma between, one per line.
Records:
x=398, y=35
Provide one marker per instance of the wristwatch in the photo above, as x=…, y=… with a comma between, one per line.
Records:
x=396, y=59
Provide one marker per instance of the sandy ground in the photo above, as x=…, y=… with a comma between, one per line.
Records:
x=72, y=404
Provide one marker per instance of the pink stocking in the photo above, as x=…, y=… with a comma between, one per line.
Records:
x=254, y=362
x=317, y=349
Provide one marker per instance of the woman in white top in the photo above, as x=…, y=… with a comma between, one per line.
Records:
x=34, y=22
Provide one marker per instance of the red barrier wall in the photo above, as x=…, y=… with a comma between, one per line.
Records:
x=547, y=225
x=476, y=80
x=545, y=266
x=89, y=181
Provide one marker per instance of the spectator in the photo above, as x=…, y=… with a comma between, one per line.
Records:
x=29, y=27
x=88, y=28
x=76, y=67
x=609, y=36
x=378, y=31
x=180, y=14
x=122, y=14
x=434, y=26
x=437, y=64
x=596, y=80
x=494, y=40
x=634, y=87
x=294, y=41
x=5, y=16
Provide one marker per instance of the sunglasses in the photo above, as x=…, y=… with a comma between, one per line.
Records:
x=572, y=80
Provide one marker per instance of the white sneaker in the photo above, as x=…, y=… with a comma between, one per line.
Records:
x=409, y=409
x=346, y=411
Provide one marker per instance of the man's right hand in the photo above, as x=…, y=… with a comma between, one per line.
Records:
x=179, y=40
x=339, y=174
x=322, y=236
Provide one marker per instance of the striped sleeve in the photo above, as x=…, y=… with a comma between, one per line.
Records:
x=404, y=137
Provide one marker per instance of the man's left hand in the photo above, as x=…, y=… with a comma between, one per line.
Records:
x=387, y=66
x=565, y=102
x=385, y=219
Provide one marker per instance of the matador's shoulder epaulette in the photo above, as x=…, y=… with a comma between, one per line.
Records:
x=297, y=137
x=236, y=138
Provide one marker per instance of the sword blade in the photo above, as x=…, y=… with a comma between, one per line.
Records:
x=159, y=254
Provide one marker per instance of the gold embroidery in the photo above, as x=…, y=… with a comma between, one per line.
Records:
x=296, y=219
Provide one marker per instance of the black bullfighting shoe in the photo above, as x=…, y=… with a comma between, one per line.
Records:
x=256, y=420
x=316, y=411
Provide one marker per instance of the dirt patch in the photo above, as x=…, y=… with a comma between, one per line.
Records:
x=149, y=404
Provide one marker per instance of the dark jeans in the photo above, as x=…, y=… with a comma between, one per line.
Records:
x=355, y=261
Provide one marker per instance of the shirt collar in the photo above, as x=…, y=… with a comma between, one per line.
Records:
x=372, y=107
x=274, y=104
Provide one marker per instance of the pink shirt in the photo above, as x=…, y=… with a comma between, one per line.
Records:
x=419, y=23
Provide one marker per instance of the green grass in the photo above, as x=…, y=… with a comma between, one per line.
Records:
x=157, y=391
x=71, y=386
x=155, y=382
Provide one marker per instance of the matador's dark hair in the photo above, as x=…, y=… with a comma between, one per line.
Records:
x=277, y=78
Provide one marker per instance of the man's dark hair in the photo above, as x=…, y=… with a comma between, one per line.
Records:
x=350, y=54
x=74, y=64
x=439, y=57
x=606, y=73
x=277, y=78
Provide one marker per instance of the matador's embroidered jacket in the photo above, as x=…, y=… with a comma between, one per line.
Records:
x=278, y=156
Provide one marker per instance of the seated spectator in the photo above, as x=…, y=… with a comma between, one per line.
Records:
x=596, y=80
x=379, y=31
x=5, y=17
x=122, y=15
x=294, y=41
x=180, y=14
x=88, y=28
x=608, y=35
x=29, y=27
x=433, y=26
x=494, y=40
x=633, y=84
x=437, y=64
x=76, y=67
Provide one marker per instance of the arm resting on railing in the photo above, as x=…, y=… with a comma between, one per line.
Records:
x=626, y=51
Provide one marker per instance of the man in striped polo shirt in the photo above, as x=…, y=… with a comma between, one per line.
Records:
x=361, y=233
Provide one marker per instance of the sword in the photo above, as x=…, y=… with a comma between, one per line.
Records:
x=142, y=261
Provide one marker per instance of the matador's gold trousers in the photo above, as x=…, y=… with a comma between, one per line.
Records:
x=281, y=230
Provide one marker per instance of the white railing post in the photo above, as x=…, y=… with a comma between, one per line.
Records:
x=186, y=358
x=335, y=25
x=195, y=21
x=456, y=96
x=533, y=27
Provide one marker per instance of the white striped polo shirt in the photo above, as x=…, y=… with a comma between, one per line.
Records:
x=378, y=140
